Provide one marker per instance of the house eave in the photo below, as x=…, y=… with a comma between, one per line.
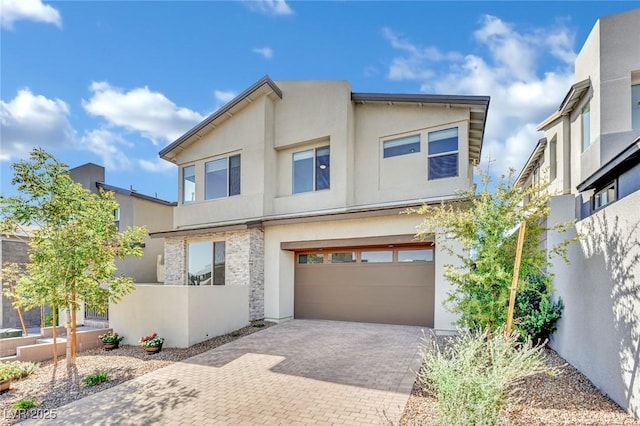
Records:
x=478, y=105
x=264, y=86
x=531, y=163
x=134, y=194
x=617, y=165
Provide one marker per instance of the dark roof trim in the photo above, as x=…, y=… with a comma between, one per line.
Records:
x=420, y=98
x=614, y=168
x=134, y=194
x=222, y=111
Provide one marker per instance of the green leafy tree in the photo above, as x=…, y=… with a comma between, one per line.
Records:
x=483, y=223
x=74, y=243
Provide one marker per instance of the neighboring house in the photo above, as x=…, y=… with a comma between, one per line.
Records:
x=591, y=154
x=135, y=210
x=14, y=248
x=295, y=190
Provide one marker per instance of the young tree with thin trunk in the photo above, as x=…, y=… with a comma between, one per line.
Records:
x=483, y=224
x=74, y=243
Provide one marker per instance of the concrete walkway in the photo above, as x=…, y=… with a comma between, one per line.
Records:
x=297, y=373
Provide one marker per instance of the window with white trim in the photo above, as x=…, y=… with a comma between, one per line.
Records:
x=188, y=184
x=401, y=146
x=311, y=170
x=443, y=153
x=635, y=106
x=222, y=177
x=116, y=218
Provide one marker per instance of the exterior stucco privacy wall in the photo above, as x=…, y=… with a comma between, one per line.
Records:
x=591, y=148
x=240, y=183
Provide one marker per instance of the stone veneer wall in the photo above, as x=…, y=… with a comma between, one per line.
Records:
x=244, y=262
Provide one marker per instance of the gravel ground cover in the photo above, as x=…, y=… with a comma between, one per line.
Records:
x=569, y=398
x=53, y=387
x=566, y=399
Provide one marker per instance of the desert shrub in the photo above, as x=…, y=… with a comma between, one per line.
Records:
x=17, y=369
x=470, y=375
x=95, y=378
x=537, y=315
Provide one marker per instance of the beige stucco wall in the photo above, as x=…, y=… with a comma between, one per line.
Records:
x=404, y=177
x=310, y=114
x=279, y=264
x=599, y=332
x=183, y=315
x=156, y=217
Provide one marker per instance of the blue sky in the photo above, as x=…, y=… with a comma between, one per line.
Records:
x=114, y=82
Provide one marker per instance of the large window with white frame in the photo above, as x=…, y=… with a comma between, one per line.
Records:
x=442, y=150
x=586, y=126
x=222, y=177
x=188, y=184
x=206, y=263
x=401, y=146
x=311, y=170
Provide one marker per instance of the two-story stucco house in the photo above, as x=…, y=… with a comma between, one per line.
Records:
x=591, y=154
x=295, y=189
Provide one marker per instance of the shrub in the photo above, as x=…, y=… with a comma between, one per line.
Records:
x=471, y=375
x=16, y=370
x=24, y=404
x=95, y=378
x=537, y=315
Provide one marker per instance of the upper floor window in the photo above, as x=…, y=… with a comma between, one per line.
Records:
x=586, y=126
x=311, y=170
x=605, y=196
x=222, y=177
x=206, y=263
x=116, y=218
x=443, y=153
x=635, y=106
x=401, y=146
x=188, y=184
x=553, y=159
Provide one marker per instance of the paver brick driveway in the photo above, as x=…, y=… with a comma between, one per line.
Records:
x=299, y=372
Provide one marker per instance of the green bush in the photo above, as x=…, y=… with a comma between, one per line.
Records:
x=95, y=378
x=536, y=314
x=24, y=404
x=470, y=376
x=16, y=370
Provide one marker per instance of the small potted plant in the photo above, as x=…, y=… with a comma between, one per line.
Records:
x=110, y=340
x=152, y=344
x=8, y=372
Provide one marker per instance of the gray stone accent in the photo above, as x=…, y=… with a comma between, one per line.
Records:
x=174, y=261
x=244, y=262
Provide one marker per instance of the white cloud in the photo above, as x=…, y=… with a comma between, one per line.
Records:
x=224, y=96
x=30, y=10
x=150, y=113
x=107, y=145
x=266, y=52
x=269, y=7
x=522, y=95
x=30, y=120
x=156, y=166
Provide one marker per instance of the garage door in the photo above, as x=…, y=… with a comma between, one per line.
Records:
x=381, y=285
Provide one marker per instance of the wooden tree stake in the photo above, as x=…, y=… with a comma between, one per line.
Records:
x=516, y=273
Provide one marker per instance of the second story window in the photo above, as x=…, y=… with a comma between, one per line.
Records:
x=443, y=153
x=586, y=126
x=635, y=106
x=116, y=218
x=311, y=170
x=401, y=146
x=222, y=177
x=188, y=184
